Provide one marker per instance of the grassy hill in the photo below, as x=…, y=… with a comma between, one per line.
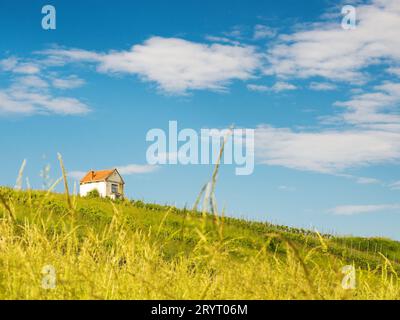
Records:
x=98, y=249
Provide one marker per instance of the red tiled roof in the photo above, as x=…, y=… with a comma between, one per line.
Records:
x=93, y=176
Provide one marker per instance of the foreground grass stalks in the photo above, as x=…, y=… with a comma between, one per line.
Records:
x=54, y=246
x=124, y=251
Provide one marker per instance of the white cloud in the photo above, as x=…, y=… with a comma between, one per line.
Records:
x=131, y=169
x=12, y=64
x=222, y=40
x=326, y=50
x=9, y=105
x=29, y=92
x=28, y=68
x=372, y=138
x=322, y=86
x=283, y=86
x=360, y=180
x=394, y=70
x=31, y=81
x=366, y=180
x=59, y=57
x=8, y=64
x=359, y=209
x=176, y=65
x=258, y=87
x=372, y=108
x=262, y=32
x=395, y=185
x=328, y=151
x=24, y=102
x=236, y=32
x=68, y=83
x=277, y=87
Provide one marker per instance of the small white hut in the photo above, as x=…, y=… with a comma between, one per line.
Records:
x=108, y=183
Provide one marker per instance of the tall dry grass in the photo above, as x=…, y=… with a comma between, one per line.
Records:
x=120, y=260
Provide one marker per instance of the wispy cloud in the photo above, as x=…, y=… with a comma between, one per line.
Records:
x=236, y=32
x=366, y=180
x=26, y=102
x=373, y=108
x=277, y=87
x=394, y=70
x=31, y=93
x=15, y=65
x=322, y=86
x=283, y=86
x=131, y=169
x=68, y=83
x=360, y=180
x=222, y=40
x=30, y=81
x=258, y=87
x=263, y=32
x=395, y=185
x=349, y=210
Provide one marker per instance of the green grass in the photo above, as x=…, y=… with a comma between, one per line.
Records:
x=132, y=250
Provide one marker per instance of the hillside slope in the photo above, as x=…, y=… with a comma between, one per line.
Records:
x=90, y=248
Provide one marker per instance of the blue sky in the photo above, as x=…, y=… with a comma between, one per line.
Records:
x=323, y=100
